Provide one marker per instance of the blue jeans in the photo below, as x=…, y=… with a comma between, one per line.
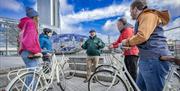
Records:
x=29, y=63
x=152, y=72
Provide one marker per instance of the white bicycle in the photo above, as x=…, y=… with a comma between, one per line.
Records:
x=69, y=67
x=115, y=76
x=112, y=77
x=172, y=82
x=39, y=78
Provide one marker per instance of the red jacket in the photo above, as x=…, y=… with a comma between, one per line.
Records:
x=125, y=34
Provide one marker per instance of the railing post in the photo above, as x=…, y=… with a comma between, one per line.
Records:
x=6, y=38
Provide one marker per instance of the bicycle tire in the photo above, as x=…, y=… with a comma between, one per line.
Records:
x=177, y=76
x=106, y=67
x=174, y=83
x=71, y=70
x=16, y=82
x=105, y=77
x=103, y=67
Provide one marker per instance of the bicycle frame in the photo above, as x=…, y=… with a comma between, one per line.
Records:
x=55, y=67
x=122, y=72
x=55, y=70
x=169, y=76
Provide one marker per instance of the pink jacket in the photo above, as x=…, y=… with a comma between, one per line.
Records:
x=29, y=40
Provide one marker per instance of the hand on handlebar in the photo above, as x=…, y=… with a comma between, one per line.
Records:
x=170, y=58
x=110, y=47
x=38, y=54
x=48, y=54
x=122, y=47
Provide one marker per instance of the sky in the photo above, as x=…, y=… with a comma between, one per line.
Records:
x=79, y=16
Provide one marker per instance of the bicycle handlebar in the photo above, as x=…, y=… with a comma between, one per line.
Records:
x=31, y=56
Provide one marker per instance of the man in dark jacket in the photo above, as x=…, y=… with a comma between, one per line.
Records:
x=93, y=46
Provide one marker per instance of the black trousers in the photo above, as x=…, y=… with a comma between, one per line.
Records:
x=131, y=65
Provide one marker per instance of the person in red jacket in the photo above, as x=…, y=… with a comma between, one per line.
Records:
x=131, y=55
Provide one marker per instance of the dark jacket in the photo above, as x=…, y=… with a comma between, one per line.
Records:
x=93, y=46
x=45, y=43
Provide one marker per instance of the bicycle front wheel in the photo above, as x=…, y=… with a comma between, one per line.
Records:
x=105, y=67
x=28, y=81
x=108, y=78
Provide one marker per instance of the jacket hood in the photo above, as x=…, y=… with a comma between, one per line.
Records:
x=23, y=22
x=125, y=26
x=42, y=35
x=163, y=15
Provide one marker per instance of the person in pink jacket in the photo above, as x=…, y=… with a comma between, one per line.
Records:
x=28, y=40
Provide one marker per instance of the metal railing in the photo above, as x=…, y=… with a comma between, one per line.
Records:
x=177, y=48
x=8, y=35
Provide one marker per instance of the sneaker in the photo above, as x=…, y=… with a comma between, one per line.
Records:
x=85, y=81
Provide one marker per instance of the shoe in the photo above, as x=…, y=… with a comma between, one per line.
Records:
x=85, y=81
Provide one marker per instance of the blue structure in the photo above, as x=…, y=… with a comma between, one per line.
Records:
x=67, y=43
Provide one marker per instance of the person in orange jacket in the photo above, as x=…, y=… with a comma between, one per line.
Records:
x=151, y=41
x=131, y=55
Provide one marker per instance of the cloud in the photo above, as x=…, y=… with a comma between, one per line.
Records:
x=172, y=5
x=107, y=38
x=69, y=22
x=162, y=3
x=175, y=33
x=65, y=8
x=173, y=24
x=68, y=27
x=11, y=5
x=110, y=25
x=113, y=10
